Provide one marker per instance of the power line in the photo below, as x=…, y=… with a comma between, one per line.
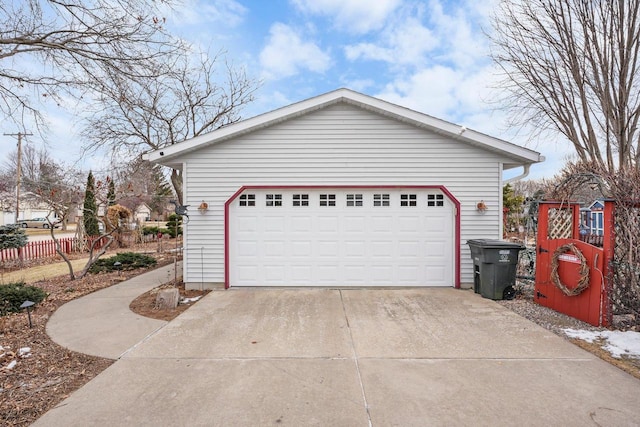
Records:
x=18, y=172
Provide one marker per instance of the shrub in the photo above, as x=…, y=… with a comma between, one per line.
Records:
x=12, y=295
x=12, y=236
x=173, y=222
x=147, y=229
x=127, y=260
x=154, y=230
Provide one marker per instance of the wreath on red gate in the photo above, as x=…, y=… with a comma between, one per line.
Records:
x=583, y=283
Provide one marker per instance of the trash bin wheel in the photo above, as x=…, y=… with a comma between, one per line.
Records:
x=509, y=293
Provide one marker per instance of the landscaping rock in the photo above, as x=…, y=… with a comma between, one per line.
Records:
x=167, y=298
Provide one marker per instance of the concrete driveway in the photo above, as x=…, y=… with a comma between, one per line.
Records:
x=301, y=357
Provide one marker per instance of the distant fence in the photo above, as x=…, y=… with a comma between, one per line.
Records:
x=592, y=239
x=36, y=250
x=68, y=245
x=44, y=249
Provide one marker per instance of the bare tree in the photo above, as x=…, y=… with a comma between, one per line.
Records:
x=572, y=66
x=141, y=181
x=49, y=48
x=199, y=94
x=97, y=246
x=46, y=181
x=7, y=191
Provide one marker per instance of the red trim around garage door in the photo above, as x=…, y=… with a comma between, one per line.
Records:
x=442, y=188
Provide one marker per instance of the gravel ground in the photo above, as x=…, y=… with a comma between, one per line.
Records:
x=524, y=305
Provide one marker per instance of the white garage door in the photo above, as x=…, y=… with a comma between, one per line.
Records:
x=341, y=237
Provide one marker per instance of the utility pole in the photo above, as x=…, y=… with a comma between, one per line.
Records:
x=19, y=170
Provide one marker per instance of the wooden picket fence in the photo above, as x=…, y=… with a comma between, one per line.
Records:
x=44, y=249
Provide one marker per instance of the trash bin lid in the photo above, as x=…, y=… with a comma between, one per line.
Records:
x=494, y=243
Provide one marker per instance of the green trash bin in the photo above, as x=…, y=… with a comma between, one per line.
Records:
x=494, y=267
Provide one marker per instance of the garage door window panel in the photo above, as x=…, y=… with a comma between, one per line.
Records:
x=300, y=200
x=274, y=200
x=248, y=200
x=435, y=200
x=381, y=200
x=409, y=200
x=327, y=200
x=354, y=200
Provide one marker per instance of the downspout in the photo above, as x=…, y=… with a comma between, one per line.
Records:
x=524, y=174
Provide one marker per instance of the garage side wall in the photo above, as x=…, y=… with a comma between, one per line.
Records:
x=340, y=145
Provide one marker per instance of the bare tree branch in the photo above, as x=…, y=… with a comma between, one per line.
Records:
x=189, y=98
x=572, y=66
x=53, y=47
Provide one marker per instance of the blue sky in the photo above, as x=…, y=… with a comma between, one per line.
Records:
x=428, y=55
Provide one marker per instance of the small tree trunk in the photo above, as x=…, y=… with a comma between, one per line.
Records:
x=176, y=182
x=92, y=259
x=167, y=298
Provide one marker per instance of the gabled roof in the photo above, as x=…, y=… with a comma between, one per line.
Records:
x=597, y=204
x=170, y=156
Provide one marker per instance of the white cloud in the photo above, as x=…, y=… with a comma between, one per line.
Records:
x=403, y=43
x=286, y=54
x=449, y=74
x=196, y=12
x=268, y=99
x=359, y=85
x=461, y=96
x=419, y=34
x=431, y=90
x=459, y=33
x=355, y=16
x=368, y=51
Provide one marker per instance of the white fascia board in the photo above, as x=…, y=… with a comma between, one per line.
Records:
x=520, y=155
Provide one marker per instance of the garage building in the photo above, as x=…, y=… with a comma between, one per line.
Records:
x=340, y=190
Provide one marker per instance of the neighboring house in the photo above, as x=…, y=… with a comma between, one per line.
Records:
x=142, y=214
x=592, y=219
x=7, y=217
x=31, y=206
x=340, y=190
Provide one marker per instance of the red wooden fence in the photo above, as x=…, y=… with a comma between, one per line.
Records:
x=44, y=249
x=47, y=248
x=565, y=259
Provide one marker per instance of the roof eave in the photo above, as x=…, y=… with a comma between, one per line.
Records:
x=168, y=155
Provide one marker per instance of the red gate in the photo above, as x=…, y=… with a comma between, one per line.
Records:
x=571, y=274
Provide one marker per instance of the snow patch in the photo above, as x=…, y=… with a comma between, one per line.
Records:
x=188, y=300
x=618, y=343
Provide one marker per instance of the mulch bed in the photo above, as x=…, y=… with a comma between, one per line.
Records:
x=145, y=305
x=44, y=373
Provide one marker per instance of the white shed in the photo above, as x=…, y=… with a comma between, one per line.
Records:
x=340, y=190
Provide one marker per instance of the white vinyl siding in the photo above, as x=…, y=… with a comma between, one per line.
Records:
x=340, y=145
